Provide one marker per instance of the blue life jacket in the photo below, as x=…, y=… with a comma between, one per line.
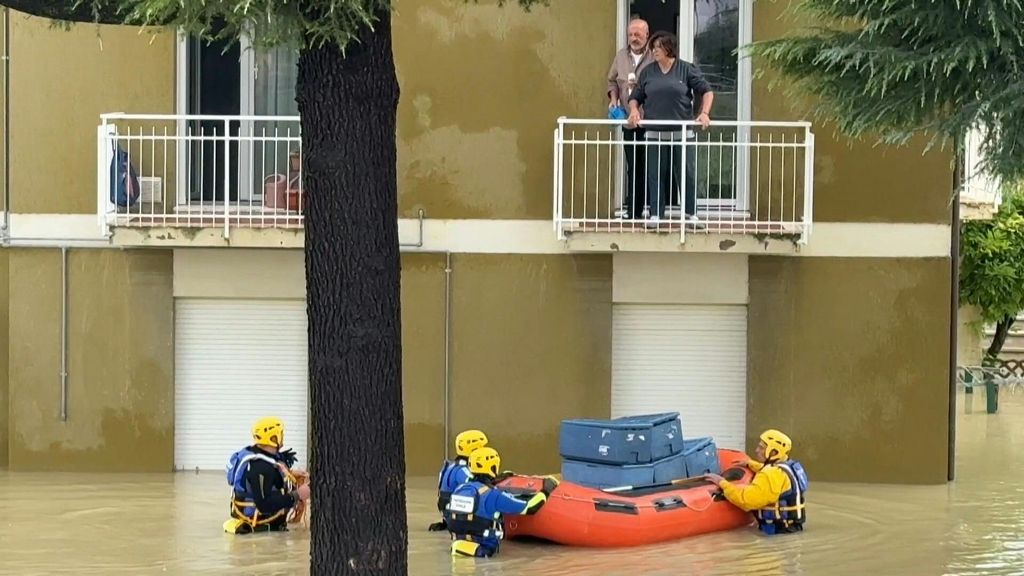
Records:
x=237, y=466
x=453, y=473
x=475, y=512
x=469, y=515
x=789, y=513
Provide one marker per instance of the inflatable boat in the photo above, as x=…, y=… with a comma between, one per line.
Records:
x=624, y=516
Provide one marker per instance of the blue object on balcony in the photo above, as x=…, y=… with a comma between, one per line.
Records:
x=617, y=113
x=701, y=455
x=596, y=475
x=627, y=440
x=124, y=181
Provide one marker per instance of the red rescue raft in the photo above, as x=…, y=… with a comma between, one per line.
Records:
x=580, y=516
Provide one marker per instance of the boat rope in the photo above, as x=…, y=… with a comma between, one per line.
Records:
x=710, y=501
x=295, y=479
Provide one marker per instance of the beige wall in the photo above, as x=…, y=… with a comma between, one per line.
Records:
x=646, y=278
x=120, y=361
x=469, y=146
x=239, y=273
x=4, y=358
x=854, y=182
x=61, y=81
x=851, y=358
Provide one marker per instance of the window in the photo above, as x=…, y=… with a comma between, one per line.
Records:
x=234, y=79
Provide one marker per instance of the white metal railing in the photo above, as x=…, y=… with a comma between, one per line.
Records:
x=980, y=190
x=744, y=177
x=199, y=171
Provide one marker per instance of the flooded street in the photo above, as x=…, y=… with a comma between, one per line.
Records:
x=170, y=524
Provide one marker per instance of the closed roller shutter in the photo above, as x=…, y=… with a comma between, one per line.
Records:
x=684, y=358
x=236, y=361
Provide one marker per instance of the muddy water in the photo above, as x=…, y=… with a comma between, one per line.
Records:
x=170, y=524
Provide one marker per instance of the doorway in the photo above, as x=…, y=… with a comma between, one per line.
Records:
x=710, y=33
x=212, y=85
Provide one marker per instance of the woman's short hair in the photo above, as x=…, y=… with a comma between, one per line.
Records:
x=668, y=43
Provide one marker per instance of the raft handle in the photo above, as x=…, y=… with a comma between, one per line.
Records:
x=602, y=505
x=669, y=503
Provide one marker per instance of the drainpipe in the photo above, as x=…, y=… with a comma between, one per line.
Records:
x=64, y=334
x=5, y=226
x=447, y=350
x=954, y=306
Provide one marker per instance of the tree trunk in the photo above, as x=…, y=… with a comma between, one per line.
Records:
x=348, y=106
x=1002, y=331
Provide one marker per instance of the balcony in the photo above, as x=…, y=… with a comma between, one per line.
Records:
x=981, y=194
x=208, y=180
x=752, y=180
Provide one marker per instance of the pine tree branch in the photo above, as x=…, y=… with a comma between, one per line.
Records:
x=69, y=10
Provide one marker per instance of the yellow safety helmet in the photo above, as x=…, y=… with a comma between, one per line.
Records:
x=269, y=431
x=468, y=441
x=777, y=444
x=485, y=461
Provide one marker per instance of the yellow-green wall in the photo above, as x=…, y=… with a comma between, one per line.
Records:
x=4, y=360
x=531, y=345
x=423, y=289
x=851, y=358
x=482, y=88
x=61, y=81
x=120, y=361
x=854, y=181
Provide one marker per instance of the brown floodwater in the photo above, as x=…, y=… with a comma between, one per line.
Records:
x=56, y=523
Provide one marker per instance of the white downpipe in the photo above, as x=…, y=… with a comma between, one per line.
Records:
x=64, y=334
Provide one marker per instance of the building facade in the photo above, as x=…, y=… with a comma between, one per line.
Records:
x=146, y=337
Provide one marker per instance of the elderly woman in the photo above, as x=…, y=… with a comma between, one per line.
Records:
x=667, y=90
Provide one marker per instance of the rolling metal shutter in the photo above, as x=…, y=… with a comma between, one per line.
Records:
x=685, y=358
x=234, y=362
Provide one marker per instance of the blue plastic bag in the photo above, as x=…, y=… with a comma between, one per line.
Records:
x=617, y=113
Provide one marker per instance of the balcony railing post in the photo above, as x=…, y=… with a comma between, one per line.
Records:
x=805, y=231
x=684, y=181
x=560, y=168
x=103, y=161
x=227, y=176
x=556, y=211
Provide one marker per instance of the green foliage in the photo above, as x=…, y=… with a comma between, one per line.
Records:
x=296, y=23
x=900, y=68
x=992, y=261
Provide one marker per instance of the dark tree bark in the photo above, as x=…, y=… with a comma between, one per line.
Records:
x=348, y=106
x=1002, y=331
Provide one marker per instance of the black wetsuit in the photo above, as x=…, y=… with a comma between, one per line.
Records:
x=267, y=489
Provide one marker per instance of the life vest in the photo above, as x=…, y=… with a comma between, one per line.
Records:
x=464, y=514
x=789, y=513
x=242, y=506
x=448, y=481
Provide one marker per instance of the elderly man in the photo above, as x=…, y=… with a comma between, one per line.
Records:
x=622, y=75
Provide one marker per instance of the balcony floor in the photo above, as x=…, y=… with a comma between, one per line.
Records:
x=282, y=220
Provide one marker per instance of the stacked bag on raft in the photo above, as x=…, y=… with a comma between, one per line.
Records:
x=632, y=451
